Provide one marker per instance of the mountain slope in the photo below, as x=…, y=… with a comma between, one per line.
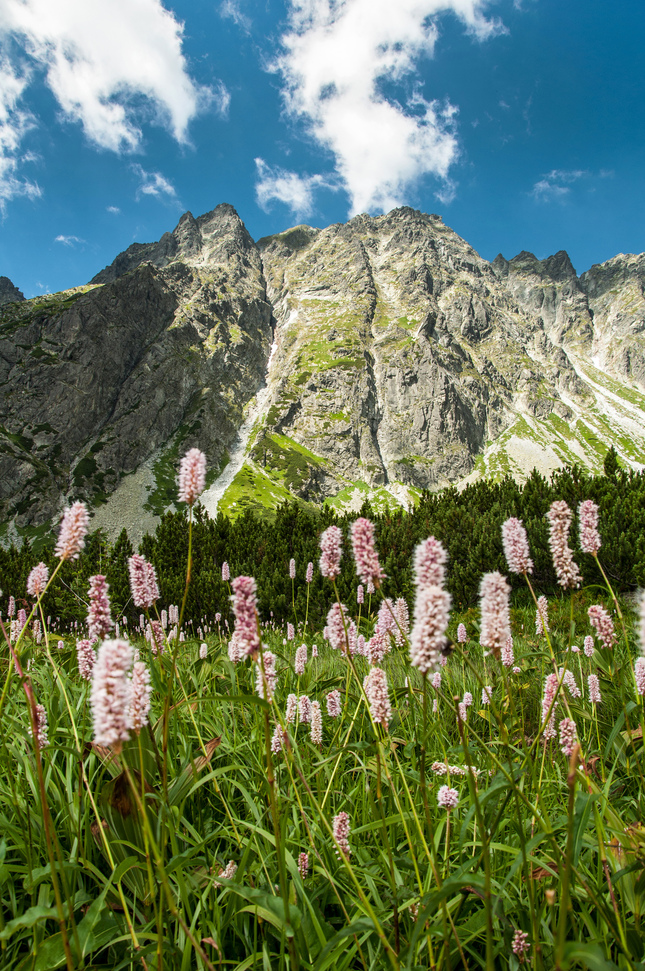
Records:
x=377, y=358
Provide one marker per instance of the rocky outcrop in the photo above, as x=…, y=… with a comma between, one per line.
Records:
x=8, y=292
x=400, y=360
x=161, y=357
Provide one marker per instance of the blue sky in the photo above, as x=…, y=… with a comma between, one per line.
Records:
x=522, y=123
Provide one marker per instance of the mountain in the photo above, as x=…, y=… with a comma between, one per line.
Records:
x=369, y=359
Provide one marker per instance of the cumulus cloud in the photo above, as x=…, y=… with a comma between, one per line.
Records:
x=68, y=240
x=342, y=64
x=295, y=191
x=556, y=185
x=113, y=209
x=154, y=184
x=110, y=65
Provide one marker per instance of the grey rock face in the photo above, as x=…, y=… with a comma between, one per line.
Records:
x=8, y=292
x=156, y=360
x=401, y=360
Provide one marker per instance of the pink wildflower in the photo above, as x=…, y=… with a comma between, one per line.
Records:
x=290, y=632
x=462, y=634
x=111, y=694
x=37, y=580
x=588, y=646
x=141, y=692
x=603, y=624
x=292, y=707
x=203, y=651
x=11, y=607
x=462, y=711
x=639, y=675
x=41, y=726
x=156, y=637
x=508, y=656
x=235, y=650
x=226, y=573
x=468, y=699
x=517, y=670
x=86, y=657
x=99, y=620
x=487, y=695
x=333, y=704
x=370, y=588
x=495, y=627
x=570, y=682
x=429, y=564
x=337, y=624
x=73, y=529
x=246, y=615
x=550, y=691
x=516, y=546
x=315, y=732
x=594, y=689
x=340, y=828
x=192, y=476
x=292, y=569
x=520, y=944
x=542, y=617
x=143, y=581
x=448, y=798
x=375, y=687
x=641, y=622
x=436, y=680
x=568, y=735
x=309, y=575
x=559, y=516
x=331, y=550
x=304, y=709
x=431, y=616
x=402, y=615
x=386, y=617
x=360, y=594
x=303, y=865
x=278, y=739
x=266, y=676
x=365, y=555
x=588, y=524
x=301, y=659
x=229, y=871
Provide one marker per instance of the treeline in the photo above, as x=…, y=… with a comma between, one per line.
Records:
x=468, y=523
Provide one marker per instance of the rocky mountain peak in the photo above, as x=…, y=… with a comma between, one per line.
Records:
x=376, y=357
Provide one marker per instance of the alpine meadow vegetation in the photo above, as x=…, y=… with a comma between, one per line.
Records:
x=407, y=741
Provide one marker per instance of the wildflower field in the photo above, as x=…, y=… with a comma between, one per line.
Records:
x=405, y=783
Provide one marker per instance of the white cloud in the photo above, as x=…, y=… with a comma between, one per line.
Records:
x=336, y=57
x=295, y=191
x=556, y=184
x=111, y=64
x=153, y=184
x=113, y=209
x=230, y=10
x=68, y=240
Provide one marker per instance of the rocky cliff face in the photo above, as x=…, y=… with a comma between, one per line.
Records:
x=390, y=356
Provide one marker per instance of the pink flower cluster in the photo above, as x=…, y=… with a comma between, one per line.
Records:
x=86, y=657
x=588, y=524
x=542, y=617
x=143, y=582
x=428, y=637
x=516, y=546
x=333, y=704
x=99, y=619
x=73, y=530
x=495, y=628
x=568, y=736
x=448, y=798
x=244, y=601
x=430, y=563
x=37, y=580
x=559, y=516
x=365, y=555
x=330, y=552
x=603, y=624
x=548, y=704
x=192, y=476
x=111, y=695
x=376, y=690
x=340, y=829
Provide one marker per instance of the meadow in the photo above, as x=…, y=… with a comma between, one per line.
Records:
x=400, y=786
